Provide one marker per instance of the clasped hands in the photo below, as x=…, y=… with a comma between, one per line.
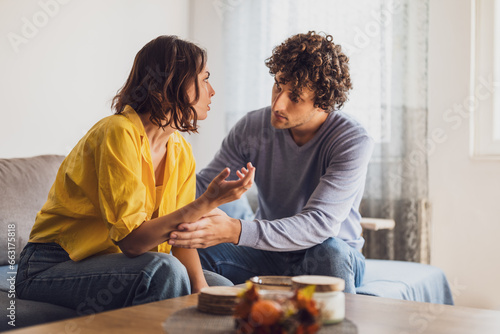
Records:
x=215, y=227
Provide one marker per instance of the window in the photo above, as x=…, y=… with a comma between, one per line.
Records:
x=484, y=100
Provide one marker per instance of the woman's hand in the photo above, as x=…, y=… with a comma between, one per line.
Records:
x=220, y=191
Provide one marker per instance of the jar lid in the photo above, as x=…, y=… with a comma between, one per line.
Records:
x=322, y=283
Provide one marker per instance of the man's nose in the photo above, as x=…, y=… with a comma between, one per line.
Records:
x=279, y=102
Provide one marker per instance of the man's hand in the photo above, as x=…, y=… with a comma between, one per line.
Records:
x=213, y=229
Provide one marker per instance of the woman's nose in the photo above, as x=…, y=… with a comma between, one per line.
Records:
x=211, y=90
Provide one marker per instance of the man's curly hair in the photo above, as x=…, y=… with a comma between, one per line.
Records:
x=315, y=62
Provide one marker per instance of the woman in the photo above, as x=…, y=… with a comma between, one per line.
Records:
x=99, y=242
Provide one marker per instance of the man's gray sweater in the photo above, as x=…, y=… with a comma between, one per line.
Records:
x=307, y=193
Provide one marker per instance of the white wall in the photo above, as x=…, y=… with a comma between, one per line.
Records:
x=55, y=86
x=206, y=26
x=465, y=193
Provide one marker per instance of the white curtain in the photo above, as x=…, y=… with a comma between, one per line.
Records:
x=386, y=41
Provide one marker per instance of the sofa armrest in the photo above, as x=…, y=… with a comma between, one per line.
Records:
x=375, y=224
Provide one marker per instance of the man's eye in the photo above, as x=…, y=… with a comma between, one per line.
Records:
x=294, y=97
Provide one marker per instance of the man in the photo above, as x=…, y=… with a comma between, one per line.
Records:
x=311, y=162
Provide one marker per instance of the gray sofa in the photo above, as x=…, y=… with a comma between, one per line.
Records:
x=24, y=185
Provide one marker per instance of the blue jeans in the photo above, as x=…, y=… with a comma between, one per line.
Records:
x=333, y=257
x=102, y=282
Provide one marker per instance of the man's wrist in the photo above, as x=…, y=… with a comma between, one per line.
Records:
x=236, y=230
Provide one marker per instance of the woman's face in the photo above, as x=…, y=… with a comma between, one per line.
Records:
x=206, y=92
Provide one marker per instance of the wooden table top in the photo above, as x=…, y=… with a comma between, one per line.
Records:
x=369, y=314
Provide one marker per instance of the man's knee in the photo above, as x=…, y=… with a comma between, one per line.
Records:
x=210, y=257
x=330, y=258
x=214, y=279
x=332, y=249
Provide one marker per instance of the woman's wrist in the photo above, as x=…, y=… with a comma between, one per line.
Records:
x=198, y=284
x=209, y=201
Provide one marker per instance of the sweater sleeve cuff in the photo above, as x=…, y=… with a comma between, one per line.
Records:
x=249, y=233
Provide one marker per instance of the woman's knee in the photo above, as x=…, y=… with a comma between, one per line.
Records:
x=166, y=274
x=164, y=265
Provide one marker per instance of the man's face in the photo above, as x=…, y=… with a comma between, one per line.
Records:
x=290, y=114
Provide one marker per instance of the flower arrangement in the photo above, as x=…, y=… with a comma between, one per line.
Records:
x=297, y=314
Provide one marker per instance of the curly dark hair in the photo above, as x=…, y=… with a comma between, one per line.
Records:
x=313, y=61
x=158, y=83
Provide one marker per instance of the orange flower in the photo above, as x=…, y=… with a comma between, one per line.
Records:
x=311, y=329
x=265, y=312
x=242, y=309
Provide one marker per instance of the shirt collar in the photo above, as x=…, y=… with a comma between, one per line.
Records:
x=132, y=115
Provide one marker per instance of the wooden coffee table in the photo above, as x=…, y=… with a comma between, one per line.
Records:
x=369, y=314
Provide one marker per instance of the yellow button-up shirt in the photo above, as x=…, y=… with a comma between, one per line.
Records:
x=105, y=188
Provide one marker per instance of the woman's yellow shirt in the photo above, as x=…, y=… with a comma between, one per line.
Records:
x=105, y=188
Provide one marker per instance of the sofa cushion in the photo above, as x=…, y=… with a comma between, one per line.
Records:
x=406, y=280
x=24, y=184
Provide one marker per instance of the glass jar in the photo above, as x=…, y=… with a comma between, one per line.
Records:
x=328, y=295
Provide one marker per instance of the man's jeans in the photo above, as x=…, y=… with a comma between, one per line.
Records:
x=103, y=282
x=333, y=257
